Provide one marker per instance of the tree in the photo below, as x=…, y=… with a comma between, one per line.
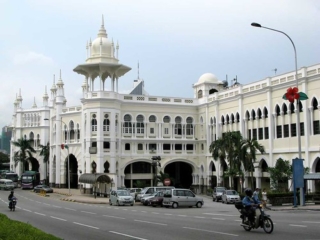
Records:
x=279, y=174
x=45, y=152
x=4, y=158
x=25, y=151
x=249, y=148
x=228, y=148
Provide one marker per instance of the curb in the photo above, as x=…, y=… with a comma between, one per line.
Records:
x=61, y=193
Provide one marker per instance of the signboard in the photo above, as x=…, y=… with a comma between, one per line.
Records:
x=167, y=182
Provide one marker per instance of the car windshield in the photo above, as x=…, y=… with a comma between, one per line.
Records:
x=231, y=192
x=220, y=189
x=123, y=193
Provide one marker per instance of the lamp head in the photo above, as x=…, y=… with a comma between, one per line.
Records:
x=255, y=24
x=46, y=119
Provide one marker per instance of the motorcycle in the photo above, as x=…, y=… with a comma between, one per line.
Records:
x=13, y=203
x=261, y=219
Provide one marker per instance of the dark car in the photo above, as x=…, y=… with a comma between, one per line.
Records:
x=156, y=201
x=156, y=196
x=46, y=188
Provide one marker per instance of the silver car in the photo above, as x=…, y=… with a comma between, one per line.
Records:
x=181, y=197
x=121, y=197
x=230, y=196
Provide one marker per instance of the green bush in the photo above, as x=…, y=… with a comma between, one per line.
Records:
x=15, y=230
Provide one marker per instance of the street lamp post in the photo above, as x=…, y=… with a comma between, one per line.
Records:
x=62, y=145
x=297, y=101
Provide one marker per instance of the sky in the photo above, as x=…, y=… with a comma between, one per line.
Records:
x=174, y=41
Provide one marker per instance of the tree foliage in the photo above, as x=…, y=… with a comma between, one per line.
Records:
x=280, y=174
x=4, y=158
x=25, y=151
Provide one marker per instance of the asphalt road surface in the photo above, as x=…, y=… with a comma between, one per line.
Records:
x=69, y=220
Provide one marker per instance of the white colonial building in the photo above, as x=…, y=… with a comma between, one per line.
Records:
x=118, y=134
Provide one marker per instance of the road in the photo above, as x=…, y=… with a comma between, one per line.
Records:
x=69, y=220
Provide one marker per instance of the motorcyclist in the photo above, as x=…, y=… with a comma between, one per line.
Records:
x=11, y=195
x=250, y=202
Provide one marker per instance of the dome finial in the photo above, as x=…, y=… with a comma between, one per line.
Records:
x=138, y=71
x=102, y=32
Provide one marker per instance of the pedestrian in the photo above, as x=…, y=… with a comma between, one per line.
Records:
x=256, y=193
x=264, y=198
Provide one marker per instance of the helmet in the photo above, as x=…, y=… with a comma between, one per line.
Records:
x=248, y=192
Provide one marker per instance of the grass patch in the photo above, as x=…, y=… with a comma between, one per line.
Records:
x=15, y=230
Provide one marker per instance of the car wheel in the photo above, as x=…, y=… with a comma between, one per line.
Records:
x=110, y=202
x=199, y=205
x=217, y=200
x=131, y=204
x=174, y=205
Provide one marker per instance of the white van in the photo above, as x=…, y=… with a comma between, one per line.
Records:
x=6, y=184
x=181, y=197
x=148, y=191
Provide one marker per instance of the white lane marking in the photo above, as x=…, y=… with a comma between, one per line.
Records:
x=163, y=224
x=198, y=217
x=70, y=209
x=181, y=215
x=26, y=210
x=129, y=236
x=219, y=214
x=39, y=213
x=221, y=219
x=47, y=204
x=155, y=212
x=293, y=225
x=310, y=222
x=203, y=230
x=61, y=219
x=85, y=225
x=56, y=206
x=168, y=214
x=88, y=212
x=113, y=217
x=18, y=207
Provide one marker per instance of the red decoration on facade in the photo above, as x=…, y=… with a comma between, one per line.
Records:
x=292, y=94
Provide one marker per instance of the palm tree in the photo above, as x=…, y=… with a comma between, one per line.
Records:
x=25, y=151
x=45, y=152
x=249, y=149
x=227, y=148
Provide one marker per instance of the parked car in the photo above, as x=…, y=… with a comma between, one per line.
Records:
x=217, y=193
x=146, y=200
x=147, y=191
x=230, y=196
x=134, y=192
x=181, y=197
x=121, y=197
x=156, y=201
x=46, y=188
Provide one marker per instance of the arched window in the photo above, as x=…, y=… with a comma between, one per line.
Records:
x=292, y=107
x=200, y=95
x=222, y=120
x=284, y=109
x=265, y=112
x=212, y=91
x=94, y=123
x=38, y=140
x=152, y=118
x=247, y=116
x=227, y=119
x=78, y=132
x=253, y=114
x=106, y=123
x=127, y=125
x=277, y=110
x=232, y=118
x=259, y=113
x=140, y=124
x=166, y=119
x=178, y=126
x=71, y=129
x=31, y=138
x=238, y=117
x=189, y=126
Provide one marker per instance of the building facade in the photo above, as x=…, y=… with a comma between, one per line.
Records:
x=118, y=134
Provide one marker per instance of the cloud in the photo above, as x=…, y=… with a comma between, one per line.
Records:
x=32, y=57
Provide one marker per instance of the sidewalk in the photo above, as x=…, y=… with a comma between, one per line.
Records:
x=77, y=196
